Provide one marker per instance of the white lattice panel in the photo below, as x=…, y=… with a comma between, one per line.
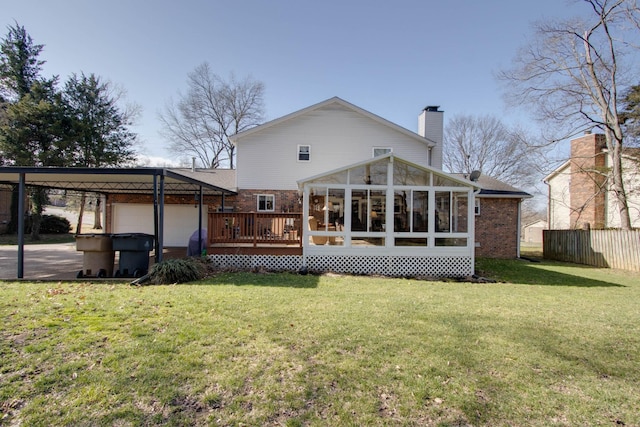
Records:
x=250, y=262
x=403, y=266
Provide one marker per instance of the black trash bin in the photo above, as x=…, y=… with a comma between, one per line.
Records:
x=134, y=253
x=98, y=255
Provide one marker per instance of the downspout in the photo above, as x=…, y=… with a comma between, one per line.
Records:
x=519, y=229
x=200, y=221
x=472, y=214
x=549, y=227
x=21, y=192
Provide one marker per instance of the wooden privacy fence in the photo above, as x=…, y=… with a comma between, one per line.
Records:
x=599, y=248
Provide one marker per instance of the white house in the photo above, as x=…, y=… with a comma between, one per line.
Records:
x=373, y=194
x=580, y=193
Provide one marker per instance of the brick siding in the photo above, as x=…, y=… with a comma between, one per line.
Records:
x=586, y=187
x=285, y=200
x=497, y=228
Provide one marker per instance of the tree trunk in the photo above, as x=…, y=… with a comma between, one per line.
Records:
x=618, y=187
x=97, y=215
x=12, y=227
x=38, y=200
x=83, y=197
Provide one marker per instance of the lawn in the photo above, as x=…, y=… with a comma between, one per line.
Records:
x=12, y=239
x=550, y=344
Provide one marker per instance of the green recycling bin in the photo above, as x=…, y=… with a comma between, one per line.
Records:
x=134, y=253
x=98, y=255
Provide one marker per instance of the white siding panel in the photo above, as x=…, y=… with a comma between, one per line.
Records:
x=560, y=201
x=631, y=177
x=180, y=221
x=337, y=136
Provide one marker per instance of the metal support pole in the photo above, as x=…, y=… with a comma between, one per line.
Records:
x=21, y=193
x=155, y=216
x=161, y=220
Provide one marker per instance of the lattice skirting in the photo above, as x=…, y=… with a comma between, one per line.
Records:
x=402, y=266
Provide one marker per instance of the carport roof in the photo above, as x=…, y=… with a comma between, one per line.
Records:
x=116, y=180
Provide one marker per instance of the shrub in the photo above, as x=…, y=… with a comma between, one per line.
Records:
x=180, y=270
x=50, y=224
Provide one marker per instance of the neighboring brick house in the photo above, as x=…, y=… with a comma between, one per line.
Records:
x=579, y=193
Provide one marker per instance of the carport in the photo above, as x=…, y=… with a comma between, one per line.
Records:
x=157, y=182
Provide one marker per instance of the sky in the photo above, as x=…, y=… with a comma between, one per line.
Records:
x=391, y=58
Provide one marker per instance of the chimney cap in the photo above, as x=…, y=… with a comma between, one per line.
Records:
x=432, y=108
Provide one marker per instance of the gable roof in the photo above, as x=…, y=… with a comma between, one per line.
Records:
x=491, y=187
x=222, y=178
x=454, y=177
x=335, y=100
x=557, y=171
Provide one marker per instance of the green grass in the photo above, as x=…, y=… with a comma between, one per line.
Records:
x=549, y=344
x=12, y=239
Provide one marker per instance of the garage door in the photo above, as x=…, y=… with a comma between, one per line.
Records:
x=180, y=221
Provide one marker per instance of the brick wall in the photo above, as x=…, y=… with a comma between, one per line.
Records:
x=497, y=228
x=285, y=200
x=588, y=163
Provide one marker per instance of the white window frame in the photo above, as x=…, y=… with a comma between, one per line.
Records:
x=477, y=206
x=266, y=198
x=386, y=151
x=308, y=153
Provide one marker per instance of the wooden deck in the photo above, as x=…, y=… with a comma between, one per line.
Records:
x=254, y=233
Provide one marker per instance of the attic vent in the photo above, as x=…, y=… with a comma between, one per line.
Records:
x=475, y=175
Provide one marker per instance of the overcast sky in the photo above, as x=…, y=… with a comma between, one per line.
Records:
x=391, y=58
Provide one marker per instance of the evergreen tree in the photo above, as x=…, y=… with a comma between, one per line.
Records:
x=20, y=65
x=35, y=133
x=630, y=114
x=100, y=133
x=20, y=68
x=100, y=129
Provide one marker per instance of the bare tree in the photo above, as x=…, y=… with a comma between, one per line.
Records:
x=571, y=76
x=486, y=144
x=200, y=123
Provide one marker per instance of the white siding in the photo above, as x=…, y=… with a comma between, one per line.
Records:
x=560, y=201
x=337, y=136
x=632, y=188
x=180, y=221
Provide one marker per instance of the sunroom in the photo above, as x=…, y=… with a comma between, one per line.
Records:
x=389, y=216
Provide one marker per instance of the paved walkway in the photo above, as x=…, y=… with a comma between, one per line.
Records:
x=60, y=261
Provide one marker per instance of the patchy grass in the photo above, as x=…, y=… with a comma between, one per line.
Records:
x=531, y=250
x=552, y=344
x=12, y=239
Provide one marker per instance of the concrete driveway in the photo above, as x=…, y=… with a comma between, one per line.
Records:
x=59, y=261
x=42, y=262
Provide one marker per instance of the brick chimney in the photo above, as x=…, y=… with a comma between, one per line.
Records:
x=431, y=126
x=587, y=192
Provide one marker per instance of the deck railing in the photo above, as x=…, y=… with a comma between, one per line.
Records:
x=255, y=228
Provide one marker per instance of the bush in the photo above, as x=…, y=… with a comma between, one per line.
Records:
x=50, y=224
x=179, y=270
